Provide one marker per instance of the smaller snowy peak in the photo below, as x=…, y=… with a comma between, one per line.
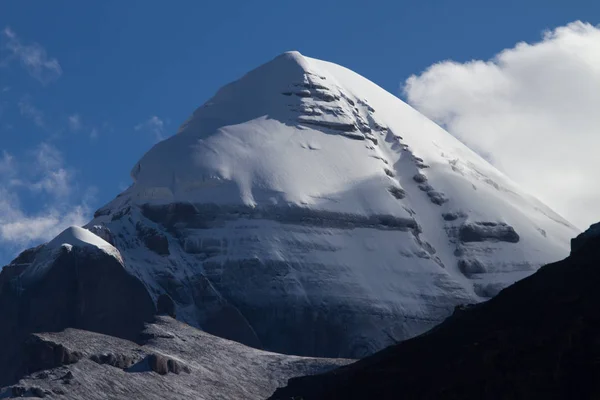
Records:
x=75, y=236
x=71, y=238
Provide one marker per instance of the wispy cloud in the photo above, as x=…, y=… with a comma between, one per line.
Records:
x=50, y=174
x=41, y=173
x=534, y=109
x=33, y=57
x=28, y=110
x=7, y=166
x=154, y=125
x=74, y=122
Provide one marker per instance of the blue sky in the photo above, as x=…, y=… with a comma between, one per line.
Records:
x=86, y=88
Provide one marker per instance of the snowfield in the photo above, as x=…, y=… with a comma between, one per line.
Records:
x=305, y=210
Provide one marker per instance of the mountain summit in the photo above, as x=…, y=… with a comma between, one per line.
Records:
x=305, y=210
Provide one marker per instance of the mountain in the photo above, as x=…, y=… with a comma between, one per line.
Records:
x=536, y=339
x=302, y=210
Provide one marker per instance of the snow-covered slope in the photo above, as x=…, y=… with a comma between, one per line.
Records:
x=306, y=210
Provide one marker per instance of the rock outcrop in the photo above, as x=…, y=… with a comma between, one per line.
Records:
x=174, y=361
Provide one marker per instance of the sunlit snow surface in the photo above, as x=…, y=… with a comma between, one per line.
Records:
x=320, y=215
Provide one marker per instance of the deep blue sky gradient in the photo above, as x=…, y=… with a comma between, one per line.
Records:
x=125, y=61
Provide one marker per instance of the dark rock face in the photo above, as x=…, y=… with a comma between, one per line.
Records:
x=165, y=305
x=33, y=391
x=82, y=289
x=223, y=319
x=591, y=234
x=324, y=333
x=27, y=256
x=420, y=178
x=206, y=216
x=453, y=216
x=397, y=192
x=470, y=267
x=337, y=126
x=488, y=290
x=116, y=360
x=173, y=287
x=158, y=364
x=164, y=365
x=153, y=240
x=436, y=197
x=103, y=232
x=487, y=231
x=16, y=267
x=535, y=339
x=40, y=355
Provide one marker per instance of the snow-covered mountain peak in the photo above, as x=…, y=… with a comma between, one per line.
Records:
x=75, y=236
x=304, y=195
x=273, y=138
x=285, y=106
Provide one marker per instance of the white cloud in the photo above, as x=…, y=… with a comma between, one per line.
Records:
x=74, y=122
x=154, y=125
x=533, y=111
x=47, y=157
x=28, y=110
x=22, y=230
x=42, y=174
x=33, y=58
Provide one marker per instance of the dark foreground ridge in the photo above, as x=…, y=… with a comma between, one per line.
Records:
x=537, y=339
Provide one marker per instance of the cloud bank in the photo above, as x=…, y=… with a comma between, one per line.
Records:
x=533, y=111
